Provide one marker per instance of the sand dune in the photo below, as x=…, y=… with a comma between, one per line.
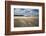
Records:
x=26, y=21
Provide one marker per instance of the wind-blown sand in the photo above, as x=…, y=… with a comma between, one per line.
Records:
x=25, y=21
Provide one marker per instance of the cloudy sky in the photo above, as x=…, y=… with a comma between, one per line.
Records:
x=26, y=11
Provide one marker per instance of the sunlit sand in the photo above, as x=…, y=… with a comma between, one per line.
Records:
x=25, y=21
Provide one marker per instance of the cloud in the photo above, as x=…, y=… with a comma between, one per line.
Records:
x=26, y=11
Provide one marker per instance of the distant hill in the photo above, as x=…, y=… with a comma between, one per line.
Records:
x=18, y=15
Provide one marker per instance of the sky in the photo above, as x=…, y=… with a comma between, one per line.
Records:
x=26, y=11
